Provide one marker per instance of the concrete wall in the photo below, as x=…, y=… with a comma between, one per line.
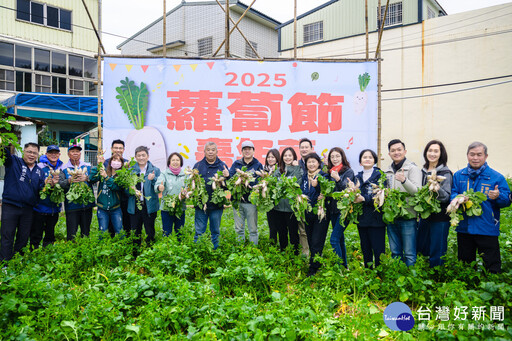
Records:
x=455, y=48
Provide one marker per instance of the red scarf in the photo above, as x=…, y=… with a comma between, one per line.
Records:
x=337, y=168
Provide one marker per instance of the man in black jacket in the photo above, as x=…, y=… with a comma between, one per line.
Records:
x=22, y=182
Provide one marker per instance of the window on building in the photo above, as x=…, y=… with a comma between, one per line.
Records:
x=23, y=10
x=43, y=83
x=65, y=19
x=90, y=68
x=76, y=87
x=75, y=66
x=313, y=32
x=23, y=57
x=52, y=16
x=27, y=69
x=42, y=60
x=59, y=63
x=430, y=13
x=37, y=13
x=394, y=16
x=6, y=80
x=249, y=53
x=91, y=89
x=59, y=85
x=43, y=14
x=6, y=54
x=23, y=81
x=204, y=46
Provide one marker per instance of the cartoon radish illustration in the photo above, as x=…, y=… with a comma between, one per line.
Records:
x=134, y=102
x=361, y=98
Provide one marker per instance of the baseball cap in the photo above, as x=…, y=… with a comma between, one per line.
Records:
x=52, y=148
x=247, y=143
x=74, y=143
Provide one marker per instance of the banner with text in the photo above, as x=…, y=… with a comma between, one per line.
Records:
x=177, y=105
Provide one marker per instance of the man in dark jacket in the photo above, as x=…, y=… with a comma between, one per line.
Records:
x=46, y=213
x=479, y=234
x=247, y=211
x=22, y=182
x=207, y=168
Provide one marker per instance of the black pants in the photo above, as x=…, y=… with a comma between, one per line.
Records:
x=75, y=218
x=316, y=231
x=488, y=246
x=142, y=217
x=16, y=221
x=43, y=223
x=126, y=219
x=287, y=226
x=272, y=225
x=373, y=243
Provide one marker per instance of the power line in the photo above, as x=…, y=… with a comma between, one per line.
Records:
x=446, y=92
x=399, y=39
x=448, y=84
x=483, y=35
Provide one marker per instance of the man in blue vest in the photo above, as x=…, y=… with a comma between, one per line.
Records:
x=22, y=182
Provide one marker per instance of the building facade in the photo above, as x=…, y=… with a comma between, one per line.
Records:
x=443, y=77
x=196, y=29
x=48, y=47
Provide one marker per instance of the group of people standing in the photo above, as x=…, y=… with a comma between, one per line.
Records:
x=25, y=216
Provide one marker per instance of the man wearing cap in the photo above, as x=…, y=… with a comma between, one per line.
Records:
x=246, y=211
x=117, y=147
x=76, y=214
x=46, y=213
x=22, y=182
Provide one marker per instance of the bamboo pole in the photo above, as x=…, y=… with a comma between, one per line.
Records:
x=379, y=91
x=164, y=45
x=100, y=46
x=94, y=26
x=295, y=29
x=236, y=27
x=239, y=31
x=381, y=29
x=366, y=24
x=352, y=60
x=226, y=39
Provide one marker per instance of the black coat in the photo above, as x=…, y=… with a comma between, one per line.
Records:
x=340, y=186
x=370, y=217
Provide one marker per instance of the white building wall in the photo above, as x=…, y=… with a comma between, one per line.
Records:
x=190, y=23
x=455, y=48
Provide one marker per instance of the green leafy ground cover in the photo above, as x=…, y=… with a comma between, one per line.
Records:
x=94, y=288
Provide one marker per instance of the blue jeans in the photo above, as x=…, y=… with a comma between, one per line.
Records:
x=433, y=239
x=402, y=240
x=115, y=216
x=338, y=239
x=250, y=213
x=168, y=221
x=201, y=220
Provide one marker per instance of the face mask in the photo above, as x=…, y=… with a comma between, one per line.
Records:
x=116, y=164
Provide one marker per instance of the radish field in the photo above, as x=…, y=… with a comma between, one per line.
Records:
x=102, y=288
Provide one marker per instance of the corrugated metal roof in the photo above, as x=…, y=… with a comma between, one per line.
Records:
x=81, y=104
